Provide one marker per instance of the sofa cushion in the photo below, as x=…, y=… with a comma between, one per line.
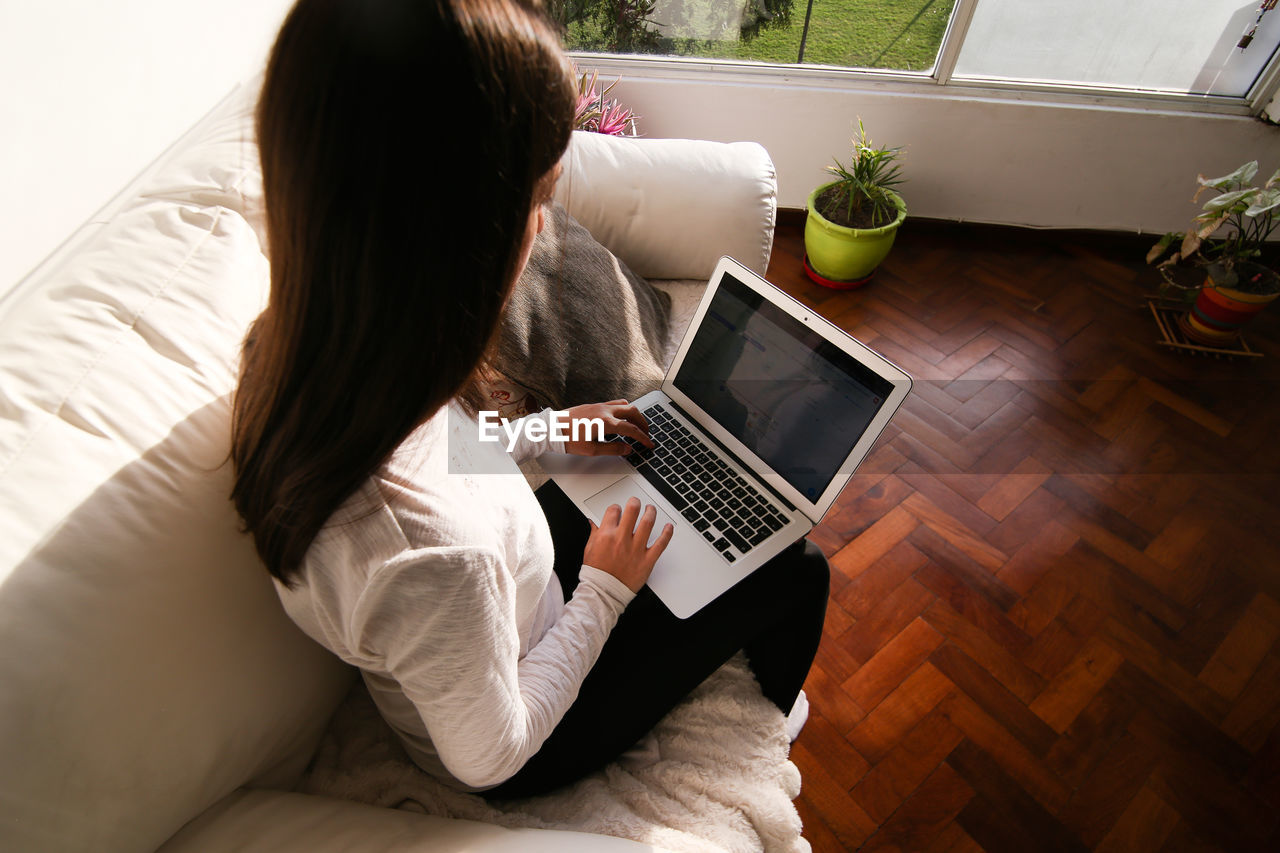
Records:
x=580, y=327
x=271, y=821
x=669, y=208
x=147, y=665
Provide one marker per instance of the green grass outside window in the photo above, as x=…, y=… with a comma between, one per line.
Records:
x=901, y=35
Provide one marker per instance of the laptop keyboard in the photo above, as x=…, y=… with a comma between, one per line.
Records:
x=728, y=511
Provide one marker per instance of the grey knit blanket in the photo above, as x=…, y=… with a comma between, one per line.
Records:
x=580, y=327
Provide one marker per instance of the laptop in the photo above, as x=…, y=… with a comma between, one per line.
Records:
x=759, y=423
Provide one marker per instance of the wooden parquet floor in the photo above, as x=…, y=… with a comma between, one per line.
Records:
x=1055, y=600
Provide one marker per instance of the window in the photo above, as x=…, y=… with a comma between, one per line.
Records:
x=1150, y=48
x=1179, y=46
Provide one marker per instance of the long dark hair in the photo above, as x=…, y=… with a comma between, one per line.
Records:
x=404, y=144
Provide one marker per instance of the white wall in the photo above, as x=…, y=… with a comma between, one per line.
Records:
x=971, y=159
x=91, y=92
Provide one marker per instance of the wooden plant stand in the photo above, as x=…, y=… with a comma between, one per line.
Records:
x=1166, y=317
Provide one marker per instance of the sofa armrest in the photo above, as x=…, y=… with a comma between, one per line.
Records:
x=669, y=208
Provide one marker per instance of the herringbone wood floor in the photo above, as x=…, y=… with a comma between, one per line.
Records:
x=1055, y=599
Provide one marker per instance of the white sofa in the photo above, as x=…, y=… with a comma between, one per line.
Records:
x=152, y=692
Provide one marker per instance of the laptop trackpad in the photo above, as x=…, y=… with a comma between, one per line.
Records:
x=618, y=494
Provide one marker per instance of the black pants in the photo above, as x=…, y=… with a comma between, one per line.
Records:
x=652, y=659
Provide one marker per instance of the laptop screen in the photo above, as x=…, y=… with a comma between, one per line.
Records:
x=796, y=400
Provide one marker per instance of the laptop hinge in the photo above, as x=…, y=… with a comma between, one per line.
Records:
x=718, y=443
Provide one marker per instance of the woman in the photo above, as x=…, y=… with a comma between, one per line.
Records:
x=407, y=150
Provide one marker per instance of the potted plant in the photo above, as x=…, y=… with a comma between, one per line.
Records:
x=1236, y=285
x=852, y=221
x=596, y=114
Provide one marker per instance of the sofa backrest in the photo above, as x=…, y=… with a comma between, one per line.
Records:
x=146, y=666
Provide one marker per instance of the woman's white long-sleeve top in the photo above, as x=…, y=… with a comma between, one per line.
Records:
x=435, y=579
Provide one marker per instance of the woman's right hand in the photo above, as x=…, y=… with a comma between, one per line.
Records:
x=619, y=544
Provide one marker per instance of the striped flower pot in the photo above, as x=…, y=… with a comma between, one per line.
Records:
x=1221, y=312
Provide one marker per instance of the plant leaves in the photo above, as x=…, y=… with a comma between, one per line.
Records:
x=1273, y=180
x=1227, y=200
x=870, y=172
x=1159, y=248
x=1190, y=244
x=1239, y=177
x=1207, y=229
x=1267, y=200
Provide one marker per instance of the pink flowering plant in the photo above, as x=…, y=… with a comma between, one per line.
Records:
x=598, y=113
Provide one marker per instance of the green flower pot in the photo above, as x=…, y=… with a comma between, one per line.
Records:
x=847, y=254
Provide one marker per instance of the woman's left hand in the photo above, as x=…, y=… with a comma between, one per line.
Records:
x=619, y=418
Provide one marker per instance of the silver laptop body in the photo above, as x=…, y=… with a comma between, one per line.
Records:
x=760, y=422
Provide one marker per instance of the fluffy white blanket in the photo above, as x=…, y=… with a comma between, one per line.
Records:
x=712, y=776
